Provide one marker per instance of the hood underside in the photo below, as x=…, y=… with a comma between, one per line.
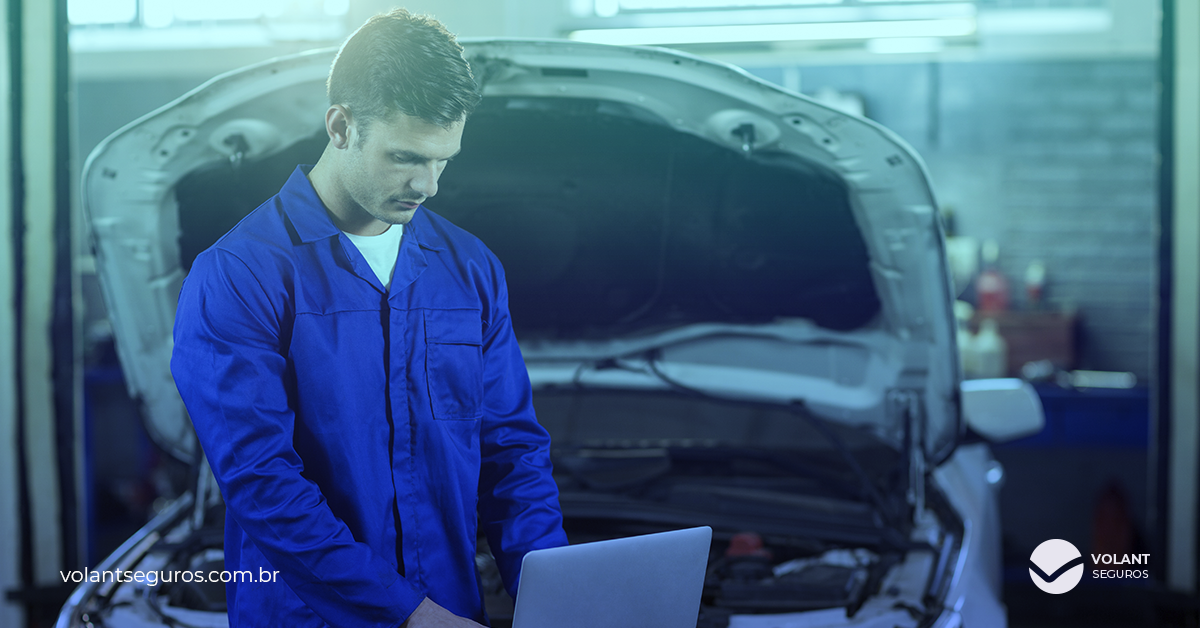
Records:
x=639, y=199
x=610, y=223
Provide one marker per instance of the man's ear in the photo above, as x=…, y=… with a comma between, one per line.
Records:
x=337, y=125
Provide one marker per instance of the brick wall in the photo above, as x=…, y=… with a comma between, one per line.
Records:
x=1053, y=159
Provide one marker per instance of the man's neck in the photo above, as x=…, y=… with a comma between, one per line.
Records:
x=338, y=203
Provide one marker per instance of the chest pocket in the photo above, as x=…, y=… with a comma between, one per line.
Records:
x=454, y=363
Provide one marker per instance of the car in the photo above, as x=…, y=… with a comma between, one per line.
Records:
x=733, y=303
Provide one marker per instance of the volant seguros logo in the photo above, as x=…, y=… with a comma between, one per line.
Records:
x=1056, y=566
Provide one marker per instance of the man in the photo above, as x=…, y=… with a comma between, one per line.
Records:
x=347, y=359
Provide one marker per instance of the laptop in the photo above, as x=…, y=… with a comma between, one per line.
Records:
x=649, y=581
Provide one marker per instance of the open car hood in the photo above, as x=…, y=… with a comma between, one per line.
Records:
x=650, y=208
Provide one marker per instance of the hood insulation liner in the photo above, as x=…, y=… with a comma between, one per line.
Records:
x=610, y=222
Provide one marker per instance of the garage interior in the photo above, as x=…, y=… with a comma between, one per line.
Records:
x=1061, y=138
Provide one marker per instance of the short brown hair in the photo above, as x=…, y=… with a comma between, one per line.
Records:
x=405, y=63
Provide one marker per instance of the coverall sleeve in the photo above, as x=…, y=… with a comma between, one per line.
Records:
x=518, y=499
x=229, y=366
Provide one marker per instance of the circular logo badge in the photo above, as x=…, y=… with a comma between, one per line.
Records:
x=1056, y=566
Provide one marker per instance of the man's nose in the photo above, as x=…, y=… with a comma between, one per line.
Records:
x=425, y=181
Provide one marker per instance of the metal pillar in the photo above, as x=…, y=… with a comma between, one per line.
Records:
x=39, y=374
x=1178, y=402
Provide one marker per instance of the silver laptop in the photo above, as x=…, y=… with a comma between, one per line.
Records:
x=650, y=581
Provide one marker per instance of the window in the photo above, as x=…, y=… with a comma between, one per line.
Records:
x=683, y=22
x=879, y=25
x=608, y=8
x=165, y=13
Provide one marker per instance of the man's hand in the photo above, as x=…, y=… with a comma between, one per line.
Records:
x=430, y=615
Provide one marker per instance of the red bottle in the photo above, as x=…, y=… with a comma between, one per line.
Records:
x=991, y=286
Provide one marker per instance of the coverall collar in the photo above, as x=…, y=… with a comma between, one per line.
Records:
x=311, y=220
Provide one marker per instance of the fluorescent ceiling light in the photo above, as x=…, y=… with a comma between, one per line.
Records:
x=1044, y=21
x=955, y=27
x=157, y=14
x=581, y=8
x=661, y=5
x=101, y=11
x=217, y=10
x=143, y=40
x=813, y=14
x=607, y=8
x=336, y=7
x=906, y=45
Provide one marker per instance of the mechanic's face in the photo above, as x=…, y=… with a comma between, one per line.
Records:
x=394, y=166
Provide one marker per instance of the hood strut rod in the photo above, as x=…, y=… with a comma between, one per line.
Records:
x=906, y=404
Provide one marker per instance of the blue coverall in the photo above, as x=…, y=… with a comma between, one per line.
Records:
x=354, y=432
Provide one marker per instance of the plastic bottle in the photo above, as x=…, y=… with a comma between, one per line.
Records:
x=991, y=351
x=1035, y=283
x=966, y=342
x=991, y=287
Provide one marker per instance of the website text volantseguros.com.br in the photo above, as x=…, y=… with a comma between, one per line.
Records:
x=153, y=578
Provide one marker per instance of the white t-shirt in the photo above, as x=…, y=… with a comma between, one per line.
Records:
x=380, y=251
